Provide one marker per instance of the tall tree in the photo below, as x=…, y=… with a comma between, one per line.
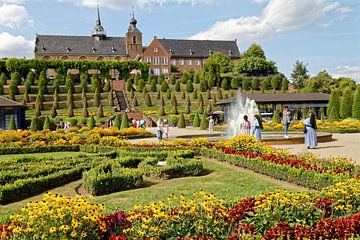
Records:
x=222, y=60
x=346, y=103
x=334, y=104
x=299, y=74
x=356, y=104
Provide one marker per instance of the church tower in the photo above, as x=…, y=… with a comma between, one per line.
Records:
x=134, y=40
x=99, y=31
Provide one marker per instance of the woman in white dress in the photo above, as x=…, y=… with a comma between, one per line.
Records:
x=159, y=129
x=245, y=126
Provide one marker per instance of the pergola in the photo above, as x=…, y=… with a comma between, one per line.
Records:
x=10, y=108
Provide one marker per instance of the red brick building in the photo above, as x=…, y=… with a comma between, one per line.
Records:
x=161, y=54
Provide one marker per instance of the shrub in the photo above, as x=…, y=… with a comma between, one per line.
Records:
x=73, y=121
x=111, y=99
x=97, y=98
x=141, y=86
x=334, y=101
x=39, y=102
x=225, y=84
x=117, y=122
x=174, y=110
x=219, y=93
x=69, y=82
x=356, y=104
x=56, y=83
x=187, y=108
x=173, y=80
x=129, y=85
x=195, y=94
x=158, y=95
x=148, y=100
x=56, y=100
x=178, y=86
x=2, y=82
x=85, y=112
x=189, y=86
x=91, y=122
x=245, y=84
x=185, y=78
x=95, y=83
x=161, y=110
x=334, y=114
x=37, y=110
x=35, y=126
x=183, y=95
x=276, y=118
x=204, y=124
x=70, y=98
x=70, y=111
x=181, y=122
x=83, y=82
x=196, y=78
x=53, y=112
x=47, y=123
x=209, y=108
x=235, y=83
x=347, y=101
x=100, y=111
x=161, y=79
x=173, y=100
x=153, y=87
x=255, y=83
x=168, y=94
x=135, y=102
x=12, y=124
x=164, y=86
x=111, y=177
x=124, y=121
x=196, y=122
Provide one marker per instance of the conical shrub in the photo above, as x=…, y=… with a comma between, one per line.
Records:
x=168, y=94
x=174, y=110
x=12, y=124
x=37, y=110
x=111, y=99
x=158, y=94
x=47, y=123
x=124, y=121
x=135, y=102
x=181, y=122
x=334, y=114
x=91, y=122
x=53, y=112
x=173, y=100
x=161, y=110
x=34, y=126
x=117, y=122
x=39, y=103
x=204, y=124
x=195, y=94
x=187, y=108
x=183, y=95
x=70, y=99
x=148, y=100
x=209, y=108
x=100, y=111
x=196, y=122
x=97, y=98
x=85, y=112
x=56, y=100
x=70, y=111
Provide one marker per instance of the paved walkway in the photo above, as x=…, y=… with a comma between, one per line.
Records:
x=347, y=145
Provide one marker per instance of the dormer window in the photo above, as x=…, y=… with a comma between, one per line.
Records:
x=210, y=52
x=171, y=51
x=230, y=53
x=113, y=49
x=43, y=49
x=93, y=49
x=68, y=49
x=191, y=52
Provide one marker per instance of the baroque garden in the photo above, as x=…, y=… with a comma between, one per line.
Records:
x=101, y=178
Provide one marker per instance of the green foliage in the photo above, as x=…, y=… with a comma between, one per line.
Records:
x=153, y=87
x=173, y=100
x=25, y=98
x=13, y=88
x=124, y=121
x=235, y=83
x=196, y=78
x=70, y=111
x=204, y=124
x=148, y=100
x=255, y=83
x=183, y=95
x=276, y=118
x=195, y=94
x=100, y=111
x=181, y=122
x=255, y=66
x=346, y=104
x=141, y=86
x=356, y=104
x=69, y=82
x=209, y=108
x=69, y=98
x=35, y=125
x=334, y=101
x=117, y=122
x=164, y=86
x=178, y=86
x=91, y=122
x=254, y=50
x=219, y=94
x=137, y=79
x=2, y=82
x=83, y=81
x=161, y=110
x=111, y=99
x=185, y=78
x=30, y=77
x=196, y=122
x=266, y=83
x=135, y=102
x=129, y=85
x=85, y=112
x=161, y=79
x=299, y=74
x=47, y=123
x=73, y=121
x=12, y=124
x=168, y=94
x=225, y=84
x=144, y=91
x=56, y=84
x=334, y=114
x=150, y=79
x=203, y=86
x=275, y=82
x=172, y=79
x=53, y=112
x=211, y=73
x=214, y=100
x=39, y=102
x=187, y=109
x=189, y=86
x=245, y=84
x=95, y=83
x=222, y=60
x=174, y=110
x=322, y=82
x=200, y=100
x=284, y=84
x=97, y=98
x=208, y=95
x=56, y=100
x=132, y=94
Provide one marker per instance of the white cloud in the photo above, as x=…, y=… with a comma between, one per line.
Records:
x=14, y=16
x=277, y=16
x=347, y=71
x=15, y=46
x=122, y=4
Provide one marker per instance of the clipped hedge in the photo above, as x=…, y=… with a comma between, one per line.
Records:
x=39, y=149
x=111, y=177
x=300, y=176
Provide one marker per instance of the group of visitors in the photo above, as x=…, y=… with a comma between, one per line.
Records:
x=139, y=123
x=252, y=129
x=162, y=128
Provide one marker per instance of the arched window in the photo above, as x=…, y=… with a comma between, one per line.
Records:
x=46, y=58
x=118, y=58
x=65, y=58
x=100, y=58
x=82, y=58
x=134, y=39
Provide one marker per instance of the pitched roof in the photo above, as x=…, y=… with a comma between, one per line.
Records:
x=200, y=48
x=281, y=98
x=55, y=44
x=4, y=102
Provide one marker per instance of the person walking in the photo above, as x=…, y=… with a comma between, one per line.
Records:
x=245, y=126
x=211, y=124
x=257, y=126
x=286, y=121
x=310, y=131
x=159, y=129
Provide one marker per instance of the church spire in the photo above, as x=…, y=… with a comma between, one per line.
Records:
x=99, y=31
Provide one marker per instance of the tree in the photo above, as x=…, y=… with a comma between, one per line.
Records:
x=153, y=87
x=209, y=108
x=254, y=50
x=181, y=122
x=162, y=101
x=124, y=121
x=70, y=111
x=346, y=104
x=129, y=86
x=204, y=124
x=35, y=125
x=284, y=84
x=322, y=82
x=334, y=102
x=183, y=95
x=214, y=100
x=225, y=84
x=95, y=83
x=275, y=82
x=189, y=86
x=117, y=122
x=200, y=100
x=174, y=110
x=161, y=79
x=150, y=79
x=47, y=123
x=141, y=86
x=299, y=74
x=26, y=97
x=164, y=86
x=111, y=99
x=100, y=111
x=12, y=124
x=148, y=100
x=69, y=82
x=276, y=118
x=85, y=112
x=266, y=83
x=356, y=104
x=53, y=112
x=83, y=81
x=56, y=83
x=172, y=79
x=158, y=95
x=178, y=86
x=203, y=86
x=30, y=77
x=334, y=115
x=168, y=94
x=137, y=79
x=97, y=98
x=39, y=103
x=91, y=122
x=173, y=100
x=235, y=83
x=56, y=100
x=255, y=83
x=222, y=60
x=196, y=78
x=69, y=98
x=195, y=94
x=196, y=122
x=2, y=82
x=187, y=109
x=13, y=88
x=245, y=84
x=185, y=78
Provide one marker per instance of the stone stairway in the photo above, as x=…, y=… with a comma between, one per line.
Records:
x=121, y=100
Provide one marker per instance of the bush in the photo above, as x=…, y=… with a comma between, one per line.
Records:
x=73, y=121
x=334, y=101
x=95, y=83
x=47, y=123
x=189, y=86
x=56, y=100
x=2, y=82
x=195, y=94
x=161, y=110
x=334, y=114
x=70, y=111
x=347, y=101
x=219, y=93
x=124, y=121
x=276, y=118
x=12, y=124
x=111, y=177
x=153, y=87
x=53, y=112
x=174, y=110
x=235, y=83
x=135, y=102
x=91, y=122
x=70, y=98
x=85, y=112
x=173, y=100
x=129, y=85
x=69, y=82
x=356, y=104
x=178, y=86
x=164, y=86
x=111, y=99
x=204, y=122
x=100, y=112
x=173, y=80
x=117, y=122
x=35, y=126
x=97, y=98
x=196, y=122
x=148, y=100
x=141, y=86
x=168, y=94
x=181, y=122
x=225, y=84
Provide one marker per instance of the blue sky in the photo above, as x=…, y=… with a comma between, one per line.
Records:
x=323, y=33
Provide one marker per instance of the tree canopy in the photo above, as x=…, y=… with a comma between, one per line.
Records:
x=299, y=74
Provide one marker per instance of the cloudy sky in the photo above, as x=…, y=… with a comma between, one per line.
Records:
x=323, y=33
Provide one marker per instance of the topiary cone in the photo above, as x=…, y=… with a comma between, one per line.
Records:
x=12, y=124
x=117, y=122
x=196, y=122
x=100, y=112
x=181, y=122
x=124, y=121
x=47, y=123
x=204, y=124
x=70, y=111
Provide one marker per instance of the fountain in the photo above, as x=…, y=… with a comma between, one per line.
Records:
x=242, y=106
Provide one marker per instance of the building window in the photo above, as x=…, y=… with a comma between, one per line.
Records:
x=198, y=62
x=173, y=62
x=156, y=72
x=182, y=62
x=189, y=62
x=46, y=57
x=134, y=39
x=82, y=58
x=164, y=60
x=148, y=59
x=155, y=49
x=65, y=58
x=165, y=70
x=100, y=58
x=156, y=60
